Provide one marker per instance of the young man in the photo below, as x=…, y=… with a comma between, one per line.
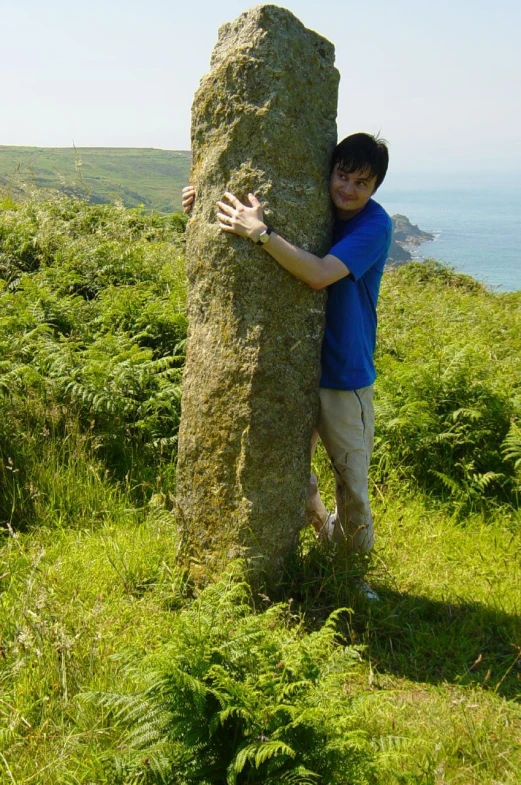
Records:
x=352, y=271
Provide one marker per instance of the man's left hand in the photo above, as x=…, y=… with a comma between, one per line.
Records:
x=242, y=219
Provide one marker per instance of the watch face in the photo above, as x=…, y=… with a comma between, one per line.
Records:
x=264, y=237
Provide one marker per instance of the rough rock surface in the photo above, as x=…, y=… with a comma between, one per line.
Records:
x=398, y=255
x=407, y=237
x=263, y=121
x=408, y=233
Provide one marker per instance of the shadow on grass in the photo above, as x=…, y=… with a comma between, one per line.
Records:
x=437, y=641
x=413, y=636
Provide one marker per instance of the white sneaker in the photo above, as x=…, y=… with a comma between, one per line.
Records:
x=327, y=529
x=365, y=591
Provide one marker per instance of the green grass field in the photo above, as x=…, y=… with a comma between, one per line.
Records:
x=153, y=178
x=114, y=670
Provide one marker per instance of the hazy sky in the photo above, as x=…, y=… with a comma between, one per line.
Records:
x=440, y=80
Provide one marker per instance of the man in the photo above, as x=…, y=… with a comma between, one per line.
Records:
x=352, y=271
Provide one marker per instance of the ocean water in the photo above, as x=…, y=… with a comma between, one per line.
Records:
x=476, y=222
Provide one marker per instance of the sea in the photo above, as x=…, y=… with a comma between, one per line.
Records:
x=476, y=221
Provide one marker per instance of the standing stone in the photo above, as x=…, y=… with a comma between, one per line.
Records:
x=263, y=121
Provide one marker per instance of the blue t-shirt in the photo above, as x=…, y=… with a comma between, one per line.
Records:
x=362, y=244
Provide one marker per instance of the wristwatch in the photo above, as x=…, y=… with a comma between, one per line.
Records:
x=264, y=236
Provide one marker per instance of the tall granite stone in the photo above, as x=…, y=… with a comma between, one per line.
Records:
x=263, y=121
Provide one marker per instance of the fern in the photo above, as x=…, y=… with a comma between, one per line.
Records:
x=447, y=405
x=256, y=754
x=240, y=697
x=92, y=331
x=511, y=446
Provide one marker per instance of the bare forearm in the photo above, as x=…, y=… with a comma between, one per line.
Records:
x=303, y=265
x=247, y=221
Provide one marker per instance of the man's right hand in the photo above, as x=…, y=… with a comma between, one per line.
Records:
x=188, y=198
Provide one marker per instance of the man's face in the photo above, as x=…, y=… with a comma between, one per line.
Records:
x=351, y=191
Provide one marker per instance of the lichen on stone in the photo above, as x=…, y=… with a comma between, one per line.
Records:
x=263, y=121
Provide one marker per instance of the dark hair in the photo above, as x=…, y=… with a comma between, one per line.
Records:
x=362, y=151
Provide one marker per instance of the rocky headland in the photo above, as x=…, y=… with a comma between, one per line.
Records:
x=406, y=239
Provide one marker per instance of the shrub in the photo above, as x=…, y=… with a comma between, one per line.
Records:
x=449, y=362
x=93, y=325
x=240, y=697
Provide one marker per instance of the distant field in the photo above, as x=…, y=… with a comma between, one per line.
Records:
x=137, y=176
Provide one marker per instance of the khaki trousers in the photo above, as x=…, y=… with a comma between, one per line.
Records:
x=346, y=429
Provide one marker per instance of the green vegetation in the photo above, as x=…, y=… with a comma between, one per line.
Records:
x=92, y=330
x=140, y=176
x=114, y=670
x=449, y=396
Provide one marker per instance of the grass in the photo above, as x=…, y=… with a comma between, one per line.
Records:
x=436, y=690
x=442, y=658
x=421, y=688
x=71, y=603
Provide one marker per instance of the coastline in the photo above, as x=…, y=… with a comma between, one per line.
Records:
x=475, y=231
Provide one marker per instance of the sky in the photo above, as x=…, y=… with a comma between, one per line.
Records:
x=441, y=81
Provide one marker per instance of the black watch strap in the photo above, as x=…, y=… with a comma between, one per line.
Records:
x=265, y=235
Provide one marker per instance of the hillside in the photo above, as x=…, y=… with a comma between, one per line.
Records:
x=114, y=670
x=150, y=177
